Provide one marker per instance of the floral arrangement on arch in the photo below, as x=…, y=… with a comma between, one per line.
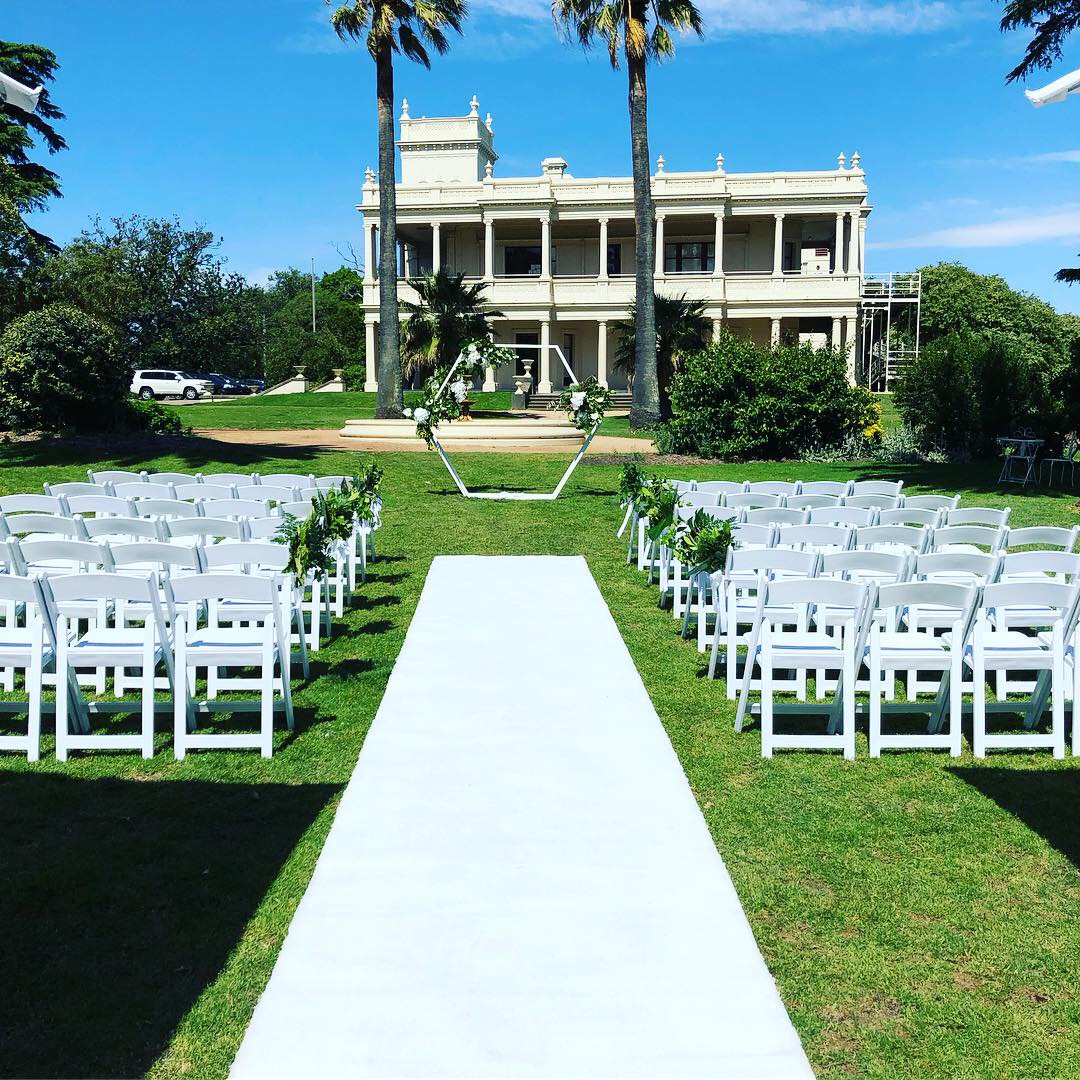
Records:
x=441, y=404
x=584, y=403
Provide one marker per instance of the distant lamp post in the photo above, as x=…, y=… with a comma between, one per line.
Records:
x=1058, y=90
x=14, y=93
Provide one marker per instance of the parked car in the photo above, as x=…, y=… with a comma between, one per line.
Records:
x=222, y=385
x=156, y=383
x=255, y=386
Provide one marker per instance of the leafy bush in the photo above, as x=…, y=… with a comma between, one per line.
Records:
x=966, y=389
x=737, y=401
x=59, y=372
x=154, y=418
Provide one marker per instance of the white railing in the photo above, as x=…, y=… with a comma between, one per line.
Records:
x=892, y=285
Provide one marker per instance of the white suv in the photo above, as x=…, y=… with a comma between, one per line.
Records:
x=150, y=384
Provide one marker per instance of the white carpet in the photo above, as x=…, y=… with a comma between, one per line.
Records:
x=518, y=882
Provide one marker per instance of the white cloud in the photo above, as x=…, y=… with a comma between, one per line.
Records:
x=1029, y=228
x=1051, y=157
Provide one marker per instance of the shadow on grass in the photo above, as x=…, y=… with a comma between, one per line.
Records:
x=122, y=902
x=1044, y=801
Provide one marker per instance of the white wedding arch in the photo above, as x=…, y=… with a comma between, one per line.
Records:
x=513, y=495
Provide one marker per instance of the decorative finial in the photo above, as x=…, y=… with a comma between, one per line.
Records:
x=488, y=170
x=660, y=164
x=719, y=162
x=855, y=159
x=405, y=108
x=840, y=160
x=474, y=106
x=487, y=124
x=369, y=175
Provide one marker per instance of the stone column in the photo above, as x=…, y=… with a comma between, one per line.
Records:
x=836, y=326
x=778, y=246
x=838, y=249
x=436, y=247
x=371, y=383
x=545, y=247
x=850, y=327
x=489, y=249
x=659, y=270
x=853, y=265
x=718, y=247
x=601, y=353
x=774, y=332
x=603, y=274
x=370, y=269
x=717, y=328
x=406, y=264
x=489, y=373
x=543, y=385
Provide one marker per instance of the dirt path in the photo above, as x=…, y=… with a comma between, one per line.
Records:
x=329, y=439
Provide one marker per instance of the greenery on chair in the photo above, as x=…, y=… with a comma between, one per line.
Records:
x=681, y=327
x=448, y=314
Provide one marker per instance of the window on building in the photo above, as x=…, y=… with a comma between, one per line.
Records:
x=568, y=352
x=521, y=259
x=614, y=259
x=694, y=257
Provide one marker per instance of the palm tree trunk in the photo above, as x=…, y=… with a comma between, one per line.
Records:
x=645, y=405
x=388, y=401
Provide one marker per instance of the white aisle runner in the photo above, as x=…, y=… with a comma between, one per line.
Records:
x=518, y=882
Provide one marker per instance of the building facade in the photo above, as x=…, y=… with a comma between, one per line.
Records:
x=774, y=256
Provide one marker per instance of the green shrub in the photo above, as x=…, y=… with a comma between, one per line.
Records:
x=738, y=401
x=966, y=389
x=59, y=372
x=154, y=418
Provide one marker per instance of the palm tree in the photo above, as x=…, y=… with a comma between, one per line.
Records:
x=625, y=28
x=409, y=28
x=681, y=327
x=448, y=314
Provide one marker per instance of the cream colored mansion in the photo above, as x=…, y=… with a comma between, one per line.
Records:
x=774, y=256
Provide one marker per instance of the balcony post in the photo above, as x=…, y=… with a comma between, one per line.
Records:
x=659, y=271
x=717, y=328
x=603, y=274
x=718, y=246
x=489, y=249
x=853, y=244
x=838, y=247
x=405, y=261
x=545, y=249
x=601, y=353
x=778, y=246
x=836, y=327
x=774, y=332
x=436, y=248
x=371, y=384
x=491, y=372
x=544, y=385
x=370, y=268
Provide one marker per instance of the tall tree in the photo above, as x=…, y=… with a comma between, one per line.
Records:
x=28, y=184
x=409, y=27
x=448, y=314
x=681, y=328
x=1052, y=22
x=640, y=31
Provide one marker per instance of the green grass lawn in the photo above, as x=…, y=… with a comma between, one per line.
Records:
x=890, y=417
x=917, y=912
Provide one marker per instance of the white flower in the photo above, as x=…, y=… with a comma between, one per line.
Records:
x=458, y=390
x=577, y=399
x=421, y=415
x=596, y=418
x=407, y=413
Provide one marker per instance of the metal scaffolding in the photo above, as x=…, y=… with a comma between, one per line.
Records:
x=889, y=327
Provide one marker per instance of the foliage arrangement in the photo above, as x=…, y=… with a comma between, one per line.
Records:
x=59, y=373
x=448, y=315
x=702, y=543
x=632, y=482
x=584, y=403
x=966, y=389
x=314, y=541
x=442, y=404
x=737, y=401
x=658, y=503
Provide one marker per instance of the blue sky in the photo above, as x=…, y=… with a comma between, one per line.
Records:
x=250, y=117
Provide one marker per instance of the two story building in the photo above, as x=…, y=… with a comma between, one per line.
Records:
x=775, y=256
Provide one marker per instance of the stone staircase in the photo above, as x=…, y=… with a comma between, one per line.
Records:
x=620, y=399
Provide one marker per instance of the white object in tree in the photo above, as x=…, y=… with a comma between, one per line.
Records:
x=14, y=93
x=1058, y=90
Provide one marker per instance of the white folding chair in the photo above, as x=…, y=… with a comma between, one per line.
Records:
x=812, y=502
x=76, y=487
x=25, y=645
x=835, y=488
x=235, y=508
x=287, y=480
x=122, y=530
x=165, y=509
x=702, y=498
x=876, y=487
x=994, y=648
x=932, y=502
x=905, y=539
x=266, y=493
x=900, y=637
x=776, y=515
x=142, y=647
x=774, y=487
x=777, y=647
x=33, y=504
x=910, y=515
x=114, y=476
x=38, y=526
x=671, y=570
x=100, y=506
x=853, y=517
x=721, y=487
x=873, y=502
x=820, y=538
x=204, y=530
x=1043, y=536
x=683, y=485
x=753, y=500
x=978, y=515
x=201, y=642
x=143, y=489
x=171, y=479
x=195, y=491
x=970, y=539
x=228, y=479
x=325, y=483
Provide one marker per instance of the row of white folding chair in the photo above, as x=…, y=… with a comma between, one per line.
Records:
x=229, y=479
x=890, y=620
x=198, y=632
x=836, y=488
x=752, y=500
